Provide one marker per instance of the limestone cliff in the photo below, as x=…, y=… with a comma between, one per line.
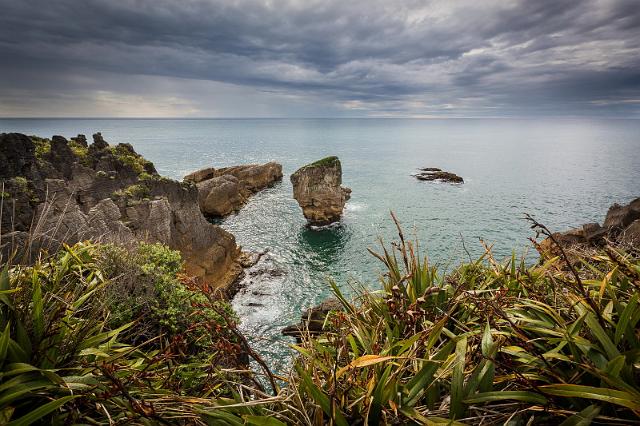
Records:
x=59, y=191
x=225, y=190
x=316, y=188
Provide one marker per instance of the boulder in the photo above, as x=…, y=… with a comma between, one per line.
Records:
x=225, y=190
x=317, y=189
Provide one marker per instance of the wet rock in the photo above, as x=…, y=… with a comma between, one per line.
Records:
x=223, y=191
x=317, y=189
x=312, y=321
x=435, y=174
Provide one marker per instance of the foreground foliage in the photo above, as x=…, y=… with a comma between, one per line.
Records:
x=103, y=335
x=489, y=343
x=71, y=351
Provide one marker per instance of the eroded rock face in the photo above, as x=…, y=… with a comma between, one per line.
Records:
x=223, y=191
x=107, y=193
x=317, y=189
x=621, y=226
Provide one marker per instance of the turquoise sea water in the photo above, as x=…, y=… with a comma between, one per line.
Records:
x=564, y=171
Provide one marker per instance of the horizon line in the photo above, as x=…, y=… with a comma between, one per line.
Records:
x=530, y=117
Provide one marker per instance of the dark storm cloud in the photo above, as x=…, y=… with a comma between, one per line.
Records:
x=412, y=57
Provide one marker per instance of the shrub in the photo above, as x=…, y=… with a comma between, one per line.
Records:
x=149, y=285
x=133, y=160
x=43, y=147
x=62, y=360
x=80, y=151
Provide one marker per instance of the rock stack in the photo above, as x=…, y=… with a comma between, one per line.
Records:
x=317, y=189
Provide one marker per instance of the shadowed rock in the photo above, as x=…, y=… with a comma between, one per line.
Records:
x=317, y=189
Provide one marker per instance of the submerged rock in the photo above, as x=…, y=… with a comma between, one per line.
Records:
x=107, y=193
x=317, y=189
x=312, y=321
x=435, y=174
x=223, y=191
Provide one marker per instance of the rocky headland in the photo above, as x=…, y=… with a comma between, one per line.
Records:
x=317, y=189
x=63, y=191
x=225, y=190
x=621, y=226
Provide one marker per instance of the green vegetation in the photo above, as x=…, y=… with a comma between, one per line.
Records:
x=136, y=191
x=79, y=151
x=21, y=183
x=150, y=285
x=100, y=334
x=43, y=147
x=490, y=343
x=67, y=355
x=325, y=162
x=5, y=195
x=125, y=155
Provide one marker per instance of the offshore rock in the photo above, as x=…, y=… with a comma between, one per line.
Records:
x=317, y=189
x=223, y=191
x=435, y=174
x=106, y=193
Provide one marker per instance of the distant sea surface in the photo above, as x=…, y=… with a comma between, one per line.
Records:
x=565, y=172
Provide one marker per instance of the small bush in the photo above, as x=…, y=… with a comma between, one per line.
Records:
x=149, y=285
x=80, y=151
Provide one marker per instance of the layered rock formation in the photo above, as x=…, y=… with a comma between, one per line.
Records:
x=317, y=189
x=67, y=191
x=621, y=226
x=223, y=191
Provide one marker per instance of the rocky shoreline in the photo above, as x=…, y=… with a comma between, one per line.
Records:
x=621, y=227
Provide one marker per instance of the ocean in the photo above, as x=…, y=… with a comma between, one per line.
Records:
x=565, y=172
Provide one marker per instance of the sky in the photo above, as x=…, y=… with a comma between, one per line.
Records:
x=309, y=58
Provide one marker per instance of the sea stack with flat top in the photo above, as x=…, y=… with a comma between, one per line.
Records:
x=317, y=189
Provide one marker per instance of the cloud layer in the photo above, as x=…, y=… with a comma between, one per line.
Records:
x=320, y=58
